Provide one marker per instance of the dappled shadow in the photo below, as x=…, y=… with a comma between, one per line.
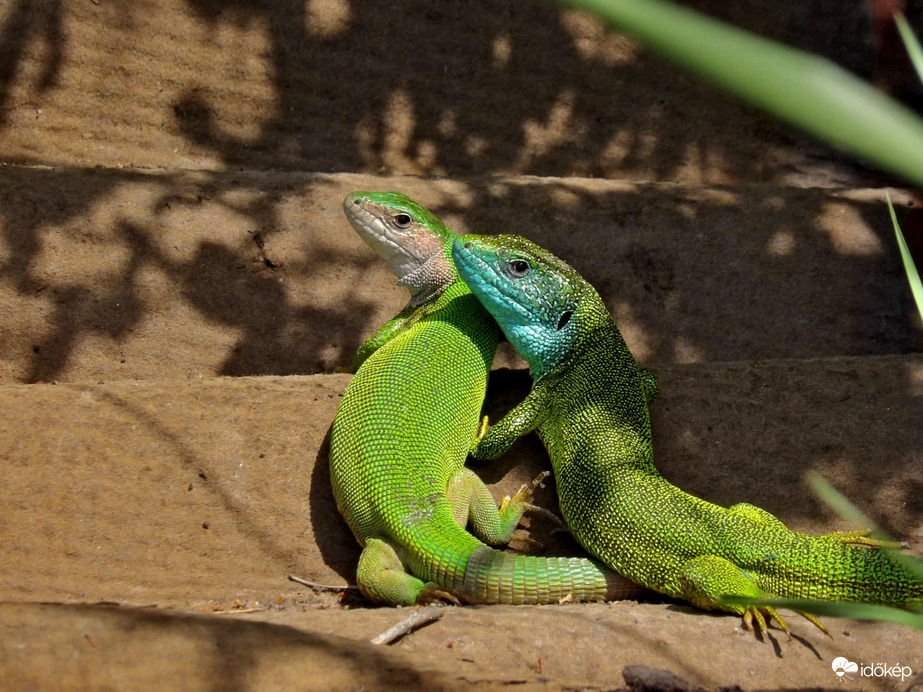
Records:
x=723, y=274
x=24, y=24
x=745, y=269
x=508, y=89
x=690, y=274
x=431, y=88
x=437, y=90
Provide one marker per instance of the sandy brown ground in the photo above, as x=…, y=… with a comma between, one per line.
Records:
x=173, y=257
x=202, y=496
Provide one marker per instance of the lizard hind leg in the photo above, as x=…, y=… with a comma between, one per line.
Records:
x=862, y=537
x=382, y=578
x=757, y=515
x=473, y=505
x=706, y=579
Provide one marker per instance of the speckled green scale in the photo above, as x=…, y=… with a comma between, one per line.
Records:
x=589, y=405
x=403, y=431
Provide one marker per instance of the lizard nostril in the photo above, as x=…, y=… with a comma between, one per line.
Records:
x=356, y=201
x=467, y=246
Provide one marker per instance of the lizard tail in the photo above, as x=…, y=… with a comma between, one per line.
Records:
x=493, y=576
x=861, y=574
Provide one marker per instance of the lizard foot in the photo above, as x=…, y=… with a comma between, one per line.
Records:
x=706, y=580
x=758, y=617
x=524, y=494
x=433, y=593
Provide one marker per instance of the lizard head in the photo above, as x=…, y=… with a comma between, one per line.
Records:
x=411, y=239
x=539, y=300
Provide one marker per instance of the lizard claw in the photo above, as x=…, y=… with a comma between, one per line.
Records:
x=756, y=613
x=524, y=494
x=548, y=515
x=522, y=536
x=537, y=481
x=433, y=593
x=481, y=431
x=815, y=621
x=862, y=537
x=754, y=619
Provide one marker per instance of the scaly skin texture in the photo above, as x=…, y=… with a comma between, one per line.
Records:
x=589, y=404
x=403, y=431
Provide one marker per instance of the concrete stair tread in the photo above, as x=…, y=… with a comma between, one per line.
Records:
x=188, y=501
x=514, y=89
x=130, y=275
x=184, y=491
x=543, y=648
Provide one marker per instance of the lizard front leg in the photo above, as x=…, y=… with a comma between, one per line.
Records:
x=523, y=419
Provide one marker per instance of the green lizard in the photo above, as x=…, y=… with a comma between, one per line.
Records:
x=589, y=404
x=403, y=430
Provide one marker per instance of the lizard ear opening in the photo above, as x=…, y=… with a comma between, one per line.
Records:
x=565, y=318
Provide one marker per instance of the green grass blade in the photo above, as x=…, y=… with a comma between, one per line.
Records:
x=913, y=276
x=861, y=611
x=846, y=509
x=910, y=43
x=837, y=609
x=839, y=504
x=804, y=89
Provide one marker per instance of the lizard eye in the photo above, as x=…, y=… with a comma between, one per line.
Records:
x=402, y=220
x=519, y=268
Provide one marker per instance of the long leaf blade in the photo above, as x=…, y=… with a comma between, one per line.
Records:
x=910, y=268
x=910, y=43
x=804, y=89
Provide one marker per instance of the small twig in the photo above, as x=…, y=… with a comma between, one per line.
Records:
x=239, y=610
x=408, y=624
x=321, y=587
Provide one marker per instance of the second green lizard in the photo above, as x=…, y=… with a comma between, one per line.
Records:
x=589, y=405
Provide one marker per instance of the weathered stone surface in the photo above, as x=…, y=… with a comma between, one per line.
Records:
x=171, y=175
x=127, y=275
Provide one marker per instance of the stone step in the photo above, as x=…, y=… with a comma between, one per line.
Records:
x=534, y=649
x=188, y=493
x=117, y=275
x=520, y=88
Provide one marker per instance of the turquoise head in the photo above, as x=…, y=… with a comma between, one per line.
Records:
x=539, y=300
